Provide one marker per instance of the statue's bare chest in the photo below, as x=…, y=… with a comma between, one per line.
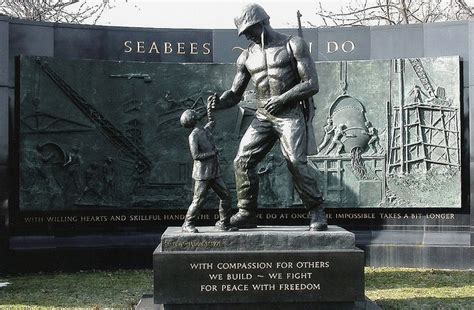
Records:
x=267, y=60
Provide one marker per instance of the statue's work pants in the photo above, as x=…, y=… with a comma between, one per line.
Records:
x=289, y=128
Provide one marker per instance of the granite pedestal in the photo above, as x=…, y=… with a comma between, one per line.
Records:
x=267, y=267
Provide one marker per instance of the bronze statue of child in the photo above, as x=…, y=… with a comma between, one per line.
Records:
x=206, y=173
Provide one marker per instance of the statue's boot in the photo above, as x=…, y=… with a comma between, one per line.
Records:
x=189, y=227
x=223, y=226
x=244, y=219
x=318, y=219
x=225, y=213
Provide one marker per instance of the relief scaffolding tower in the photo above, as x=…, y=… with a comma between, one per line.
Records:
x=423, y=134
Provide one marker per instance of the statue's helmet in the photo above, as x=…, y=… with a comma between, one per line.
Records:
x=251, y=14
x=188, y=119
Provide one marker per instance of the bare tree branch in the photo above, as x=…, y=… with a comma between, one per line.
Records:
x=68, y=11
x=377, y=12
x=404, y=11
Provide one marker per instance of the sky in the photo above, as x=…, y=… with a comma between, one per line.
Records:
x=206, y=14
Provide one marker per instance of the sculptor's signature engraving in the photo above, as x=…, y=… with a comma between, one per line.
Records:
x=193, y=244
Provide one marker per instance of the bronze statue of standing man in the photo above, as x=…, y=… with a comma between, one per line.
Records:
x=284, y=75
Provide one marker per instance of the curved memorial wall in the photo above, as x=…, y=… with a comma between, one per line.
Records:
x=90, y=140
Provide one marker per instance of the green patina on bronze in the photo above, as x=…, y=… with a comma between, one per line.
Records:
x=98, y=134
x=388, y=158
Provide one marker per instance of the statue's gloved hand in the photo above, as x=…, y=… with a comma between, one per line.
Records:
x=274, y=105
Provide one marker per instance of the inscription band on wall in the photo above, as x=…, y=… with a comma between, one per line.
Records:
x=177, y=48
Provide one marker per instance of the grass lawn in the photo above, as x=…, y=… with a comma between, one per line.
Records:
x=391, y=288
x=88, y=289
x=404, y=288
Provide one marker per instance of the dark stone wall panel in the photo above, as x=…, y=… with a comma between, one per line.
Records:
x=4, y=94
x=446, y=257
x=396, y=41
x=29, y=39
x=471, y=52
x=4, y=51
x=448, y=39
x=154, y=45
x=344, y=43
